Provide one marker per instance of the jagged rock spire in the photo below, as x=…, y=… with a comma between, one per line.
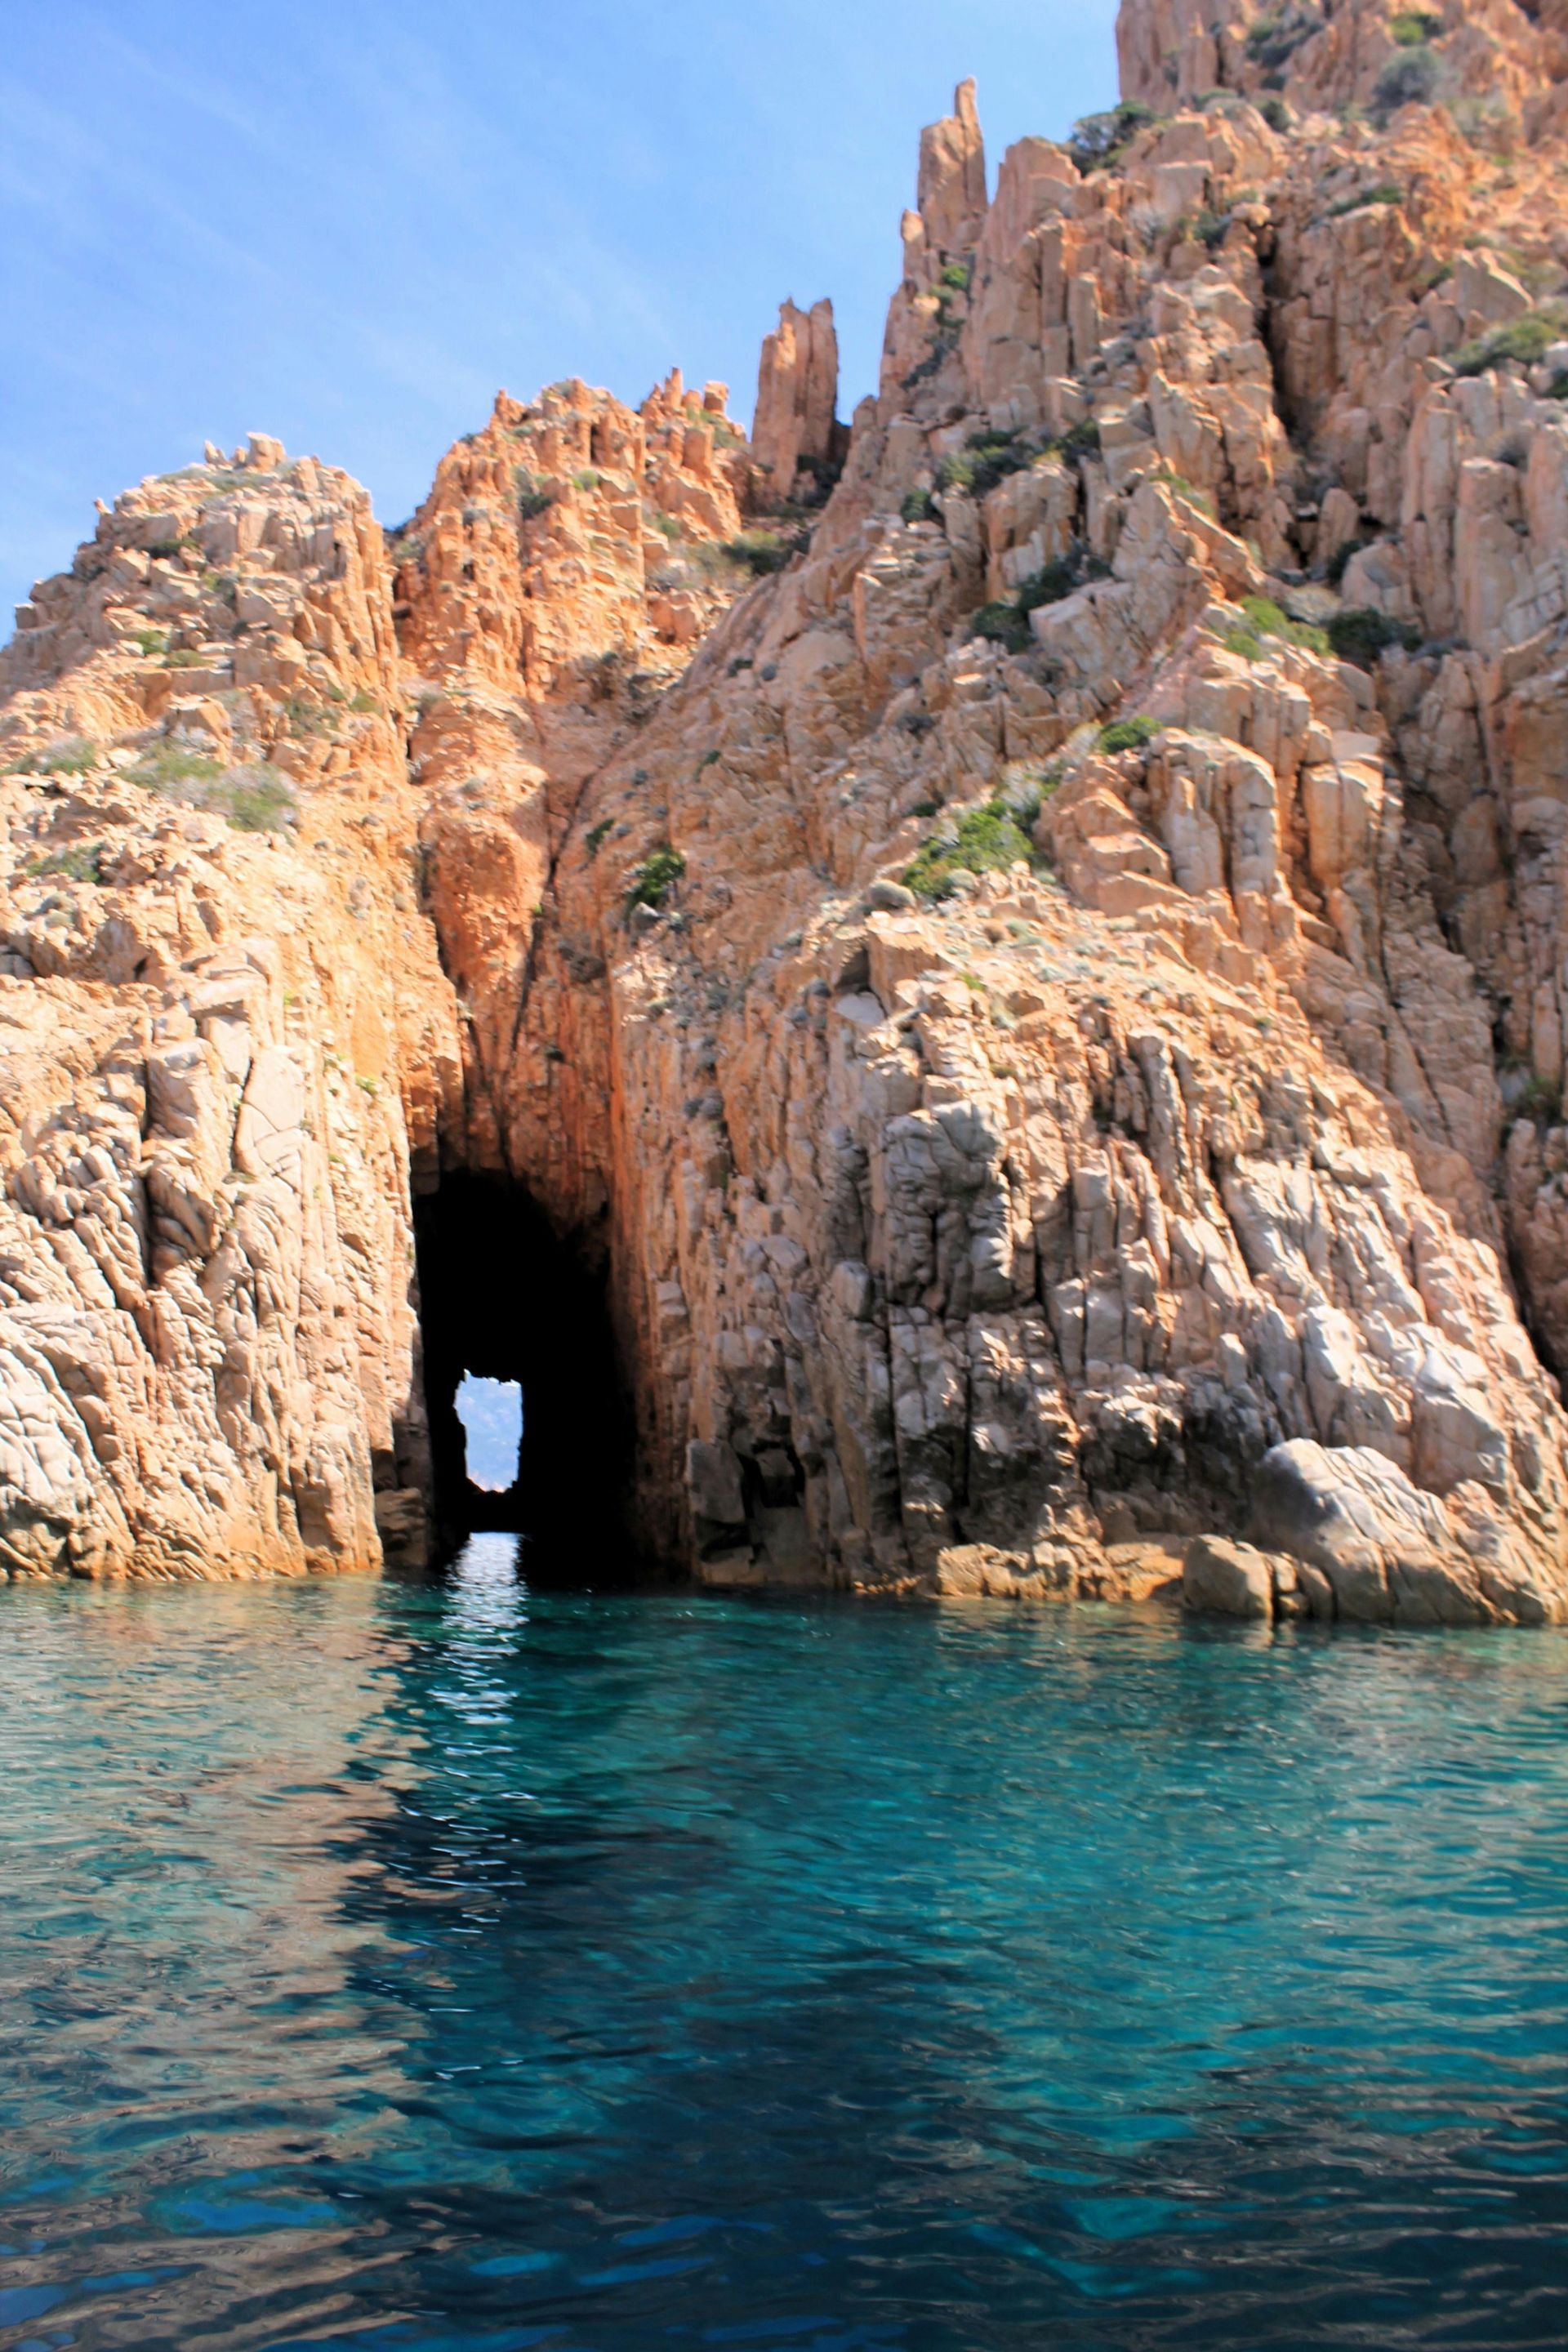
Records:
x=797, y=394
x=951, y=189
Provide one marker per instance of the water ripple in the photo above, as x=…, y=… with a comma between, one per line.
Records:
x=396, y=1967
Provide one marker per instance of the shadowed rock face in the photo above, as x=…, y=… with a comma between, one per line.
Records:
x=1034, y=990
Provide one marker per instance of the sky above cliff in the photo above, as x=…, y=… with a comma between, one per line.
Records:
x=347, y=224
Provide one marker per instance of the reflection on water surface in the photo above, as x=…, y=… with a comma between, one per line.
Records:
x=407, y=1965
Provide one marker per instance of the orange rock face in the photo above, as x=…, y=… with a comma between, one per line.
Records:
x=796, y=421
x=1039, y=982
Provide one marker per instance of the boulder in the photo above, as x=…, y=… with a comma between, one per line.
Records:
x=1226, y=1580
x=1389, y=1551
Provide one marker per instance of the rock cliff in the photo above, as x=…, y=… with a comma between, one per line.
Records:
x=1023, y=943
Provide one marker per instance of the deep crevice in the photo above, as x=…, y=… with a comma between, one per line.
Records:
x=504, y=1296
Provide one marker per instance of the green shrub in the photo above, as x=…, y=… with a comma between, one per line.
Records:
x=1412, y=28
x=1001, y=624
x=168, y=766
x=1007, y=623
x=254, y=799
x=984, y=840
x=587, y=479
x=1268, y=619
x=69, y=755
x=1542, y=1100
x=597, y=835
x=1489, y=122
x=1276, y=113
x=1360, y=634
x=1186, y=489
x=1526, y=340
x=149, y=640
x=1026, y=790
x=919, y=506
x=251, y=796
x=1409, y=79
x=1273, y=41
x=305, y=719
x=1098, y=139
x=81, y=863
x=1264, y=613
x=1209, y=227
x=1243, y=642
x=762, y=551
x=363, y=705
x=531, y=499
x=1058, y=579
x=945, y=341
x=1387, y=191
x=1080, y=441
x=951, y=282
x=985, y=459
x=651, y=880
x=1128, y=734
x=184, y=658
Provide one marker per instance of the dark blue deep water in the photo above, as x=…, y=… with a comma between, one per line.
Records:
x=452, y=1965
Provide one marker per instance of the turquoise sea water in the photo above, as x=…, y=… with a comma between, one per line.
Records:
x=416, y=1964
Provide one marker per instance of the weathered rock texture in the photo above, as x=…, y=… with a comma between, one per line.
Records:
x=796, y=425
x=1195, y=1171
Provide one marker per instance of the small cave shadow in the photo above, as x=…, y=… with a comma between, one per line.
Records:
x=504, y=1296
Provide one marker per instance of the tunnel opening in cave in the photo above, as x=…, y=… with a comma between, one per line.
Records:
x=530, y=1432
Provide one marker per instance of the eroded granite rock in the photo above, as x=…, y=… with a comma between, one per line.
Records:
x=1040, y=979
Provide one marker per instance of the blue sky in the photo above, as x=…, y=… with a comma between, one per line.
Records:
x=491, y=1415
x=348, y=222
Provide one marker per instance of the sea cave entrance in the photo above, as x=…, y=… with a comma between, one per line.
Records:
x=529, y=1426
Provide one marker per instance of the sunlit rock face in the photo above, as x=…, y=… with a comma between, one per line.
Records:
x=1020, y=940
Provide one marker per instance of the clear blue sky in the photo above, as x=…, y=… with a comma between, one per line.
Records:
x=348, y=221
x=491, y=1415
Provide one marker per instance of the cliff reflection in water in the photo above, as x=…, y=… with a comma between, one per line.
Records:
x=448, y=1963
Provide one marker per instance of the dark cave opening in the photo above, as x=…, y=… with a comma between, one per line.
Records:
x=504, y=1298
